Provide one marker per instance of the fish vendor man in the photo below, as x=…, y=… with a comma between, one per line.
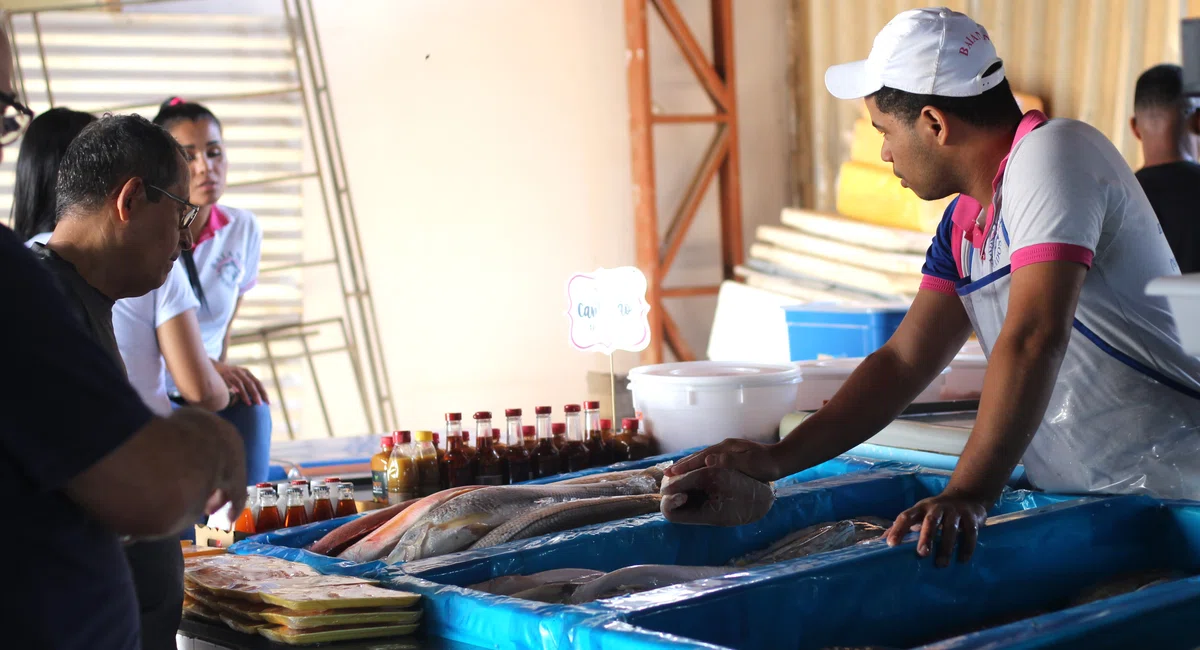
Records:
x=1045, y=255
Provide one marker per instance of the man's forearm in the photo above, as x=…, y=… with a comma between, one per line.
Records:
x=1020, y=379
x=877, y=391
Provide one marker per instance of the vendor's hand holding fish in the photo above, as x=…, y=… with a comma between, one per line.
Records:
x=753, y=459
x=716, y=496
x=958, y=516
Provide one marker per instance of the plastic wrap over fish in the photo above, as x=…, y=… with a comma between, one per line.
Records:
x=1026, y=564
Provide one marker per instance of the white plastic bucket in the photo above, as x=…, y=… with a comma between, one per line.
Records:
x=704, y=402
x=1183, y=295
x=965, y=380
x=821, y=379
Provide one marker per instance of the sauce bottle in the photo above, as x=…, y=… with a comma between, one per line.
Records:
x=606, y=431
x=345, y=501
x=443, y=480
x=576, y=451
x=295, y=515
x=305, y=495
x=529, y=438
x=268, y=511
x=498, y=444
x=599, y=454
x=402, y=471
x=379, y=469
x=516, y=455
x=489, y=463
x=468, y=449
x=546, y=459
x=621, y=442
x=639, y=446
x=425, y=455
x=245, y=521
x=456, y=463
x=322, y=506
x=453, y=427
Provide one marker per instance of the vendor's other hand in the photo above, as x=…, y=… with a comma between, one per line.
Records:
x=242, y=383
x=753, y=459
x=945, y=518
x=716, y=496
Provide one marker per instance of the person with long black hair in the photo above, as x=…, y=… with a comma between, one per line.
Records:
x=221, y=267
x=42, y=148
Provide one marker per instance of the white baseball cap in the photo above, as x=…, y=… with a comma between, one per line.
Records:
x=932, y=51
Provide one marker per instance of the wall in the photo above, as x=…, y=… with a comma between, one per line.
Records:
x=1081, y=56
x=488, y=152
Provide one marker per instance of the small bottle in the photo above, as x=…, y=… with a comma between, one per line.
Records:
x=402, y=471
x=516, y=455
x=489, y=463
x=305, y=494
x=453, y=427
x=576, y=451
x=322, y=506
x=295, y=514
x=621, y=442
x=345, y=502
x=546, y=458
x=606, y=431
x=379, y=469
x=639, y=446
x=443, y=480
x=457, y=465
x=529, y=438
x=467, y=448
x=498, y=443
x=560, y=440
x=245, y=521
x=268, y=511
x=599, y=454
x=425, y=455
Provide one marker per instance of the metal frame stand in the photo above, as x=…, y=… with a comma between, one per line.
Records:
x=655, y=254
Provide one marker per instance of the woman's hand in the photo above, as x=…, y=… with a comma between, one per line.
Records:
x=242, y=383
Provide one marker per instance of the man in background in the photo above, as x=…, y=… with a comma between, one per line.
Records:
x=1167, y=123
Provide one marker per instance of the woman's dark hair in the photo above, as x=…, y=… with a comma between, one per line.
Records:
x=42, y=149
x=996, y=107
x=170, y=112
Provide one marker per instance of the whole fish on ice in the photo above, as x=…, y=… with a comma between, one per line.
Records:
x=460, y=522
x=820, y=538
x=644, y=577
x=381, y=542
x=571, y=514
x=510, y=585
x=655, y=472
x=342, y=537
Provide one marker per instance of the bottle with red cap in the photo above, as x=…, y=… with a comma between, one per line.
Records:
x=443, y=480
x=516, y=455
x=606, y=431
x=345, y=501
x=268, y=509
x=379, y=469
x=489, y=465
x=529, y=439
x=296, y=514
x=546, y=458
x=305, y=494
x=322, y=505
x=599, y=454
x=640, y=446
x=576, y=451
x=456, y=464
x=622, y=442
x=498, y=444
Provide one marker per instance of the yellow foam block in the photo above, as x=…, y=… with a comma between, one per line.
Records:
x=873, y=194
x=866, y=144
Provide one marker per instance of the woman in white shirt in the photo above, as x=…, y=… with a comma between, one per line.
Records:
x=221, y=267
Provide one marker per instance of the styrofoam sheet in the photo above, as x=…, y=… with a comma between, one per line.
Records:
x=853, y=253
x=832, y=226
x=1026, y=563
x=904, y=284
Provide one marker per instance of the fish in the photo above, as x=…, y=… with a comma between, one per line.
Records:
x=342, y=537
x=568, y=515
x=820, y=538
x=1123, y=585
x=458, y=523
x=509, y=585
x=655, y=472
x=644, y=577
x=381, y=542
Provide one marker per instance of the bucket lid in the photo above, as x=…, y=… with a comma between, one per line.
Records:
x=834, y=368
x=715, y=374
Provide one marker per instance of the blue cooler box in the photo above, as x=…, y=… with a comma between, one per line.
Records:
x=826, y=330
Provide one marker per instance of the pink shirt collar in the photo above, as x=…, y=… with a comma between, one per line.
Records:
x=218, y=220
x=966, y=212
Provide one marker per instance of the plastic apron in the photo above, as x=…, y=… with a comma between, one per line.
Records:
x=1113, y=424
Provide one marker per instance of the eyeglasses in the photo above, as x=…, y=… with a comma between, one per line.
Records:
x=189, y=214
x=13, y=120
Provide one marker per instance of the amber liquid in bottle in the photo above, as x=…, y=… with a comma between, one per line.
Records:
x=322, y=506
x=457, y=465
x=516, y=455
x=379, y=470
x=546, y=458
x=295, y=515
x=576, y=451
x=268, y=511
x=489, y=465
x=345, y=503
x=599, y=453
x=620, y=446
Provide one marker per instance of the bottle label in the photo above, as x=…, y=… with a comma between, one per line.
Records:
x=490, y=479
x=379, y=491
